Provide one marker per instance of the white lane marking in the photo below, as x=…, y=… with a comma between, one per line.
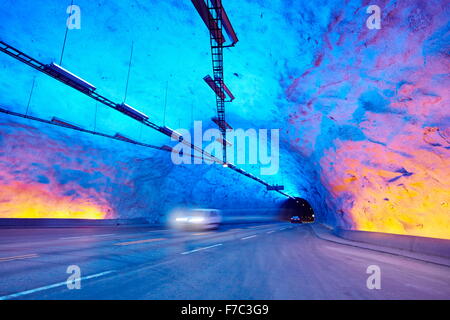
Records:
x=87, y=236
x=249, y=237
x=199, y=249
x=25, y=256
x=271, y=231
x=59, y=284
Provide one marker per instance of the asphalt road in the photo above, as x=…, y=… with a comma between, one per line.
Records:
x=251, y=261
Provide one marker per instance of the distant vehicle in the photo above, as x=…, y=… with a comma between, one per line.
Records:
x=307, y=218
x=296, y=219
x=197, y=219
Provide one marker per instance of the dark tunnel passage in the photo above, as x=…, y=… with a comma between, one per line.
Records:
x=297, y=207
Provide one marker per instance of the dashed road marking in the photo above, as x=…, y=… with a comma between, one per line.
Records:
x=203, y=248
x=139, y=241
x=249, y=237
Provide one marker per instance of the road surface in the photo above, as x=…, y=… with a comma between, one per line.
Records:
x=249, y=261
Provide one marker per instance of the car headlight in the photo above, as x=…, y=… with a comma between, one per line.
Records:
x=196, y=219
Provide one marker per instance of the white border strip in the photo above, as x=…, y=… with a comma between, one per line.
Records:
x=59, y=284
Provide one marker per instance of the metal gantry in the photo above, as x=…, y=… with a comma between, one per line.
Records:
x=215, y=18
x=216, y=42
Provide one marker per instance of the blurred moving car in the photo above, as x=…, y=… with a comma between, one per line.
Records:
x=296, y=219
x=197, y=219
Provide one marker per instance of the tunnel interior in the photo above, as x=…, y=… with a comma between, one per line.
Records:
x=297, y=207
x=224, y=149
x=356, y=116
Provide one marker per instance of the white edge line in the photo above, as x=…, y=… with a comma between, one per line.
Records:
x=59, y=284
x=199, y=249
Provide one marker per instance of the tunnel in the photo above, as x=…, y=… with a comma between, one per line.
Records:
x=297, y=207
x=123, y=122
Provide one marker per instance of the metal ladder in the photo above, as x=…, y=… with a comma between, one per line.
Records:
x=215, y=27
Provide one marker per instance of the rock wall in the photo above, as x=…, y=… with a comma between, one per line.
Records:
x=364, y=114
x=49, y=172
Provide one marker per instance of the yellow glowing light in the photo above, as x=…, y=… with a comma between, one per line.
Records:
x=384, y=200
x=18, y=200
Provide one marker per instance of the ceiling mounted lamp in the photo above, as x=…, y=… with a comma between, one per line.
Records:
x=65, y=123
x=67, y=76
x=132, y=112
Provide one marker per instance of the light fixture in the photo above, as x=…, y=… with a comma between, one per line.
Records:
x=65, y=123
x=216, y=121
x=124, y=138
x=219, y=90
x=212, y=84
x=167, y=148
x=171, y=133
x=225, y=88
x=275, y=188
x=68, y=76
x=132, y=112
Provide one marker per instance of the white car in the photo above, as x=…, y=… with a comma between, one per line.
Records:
x=197, y=219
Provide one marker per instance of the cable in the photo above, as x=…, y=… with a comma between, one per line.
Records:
x=165, y=103
x=65, y=38
x=24, y=58
x=95, y=116
x=129, y=69
x=31, y=93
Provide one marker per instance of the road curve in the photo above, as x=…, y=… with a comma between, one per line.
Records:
x=251, y=261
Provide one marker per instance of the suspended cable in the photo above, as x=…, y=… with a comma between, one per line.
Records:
x=89, y=90
x=165, y=103
x=65, y=38
x=129, y=69
x=95, y=116
x=31, y=94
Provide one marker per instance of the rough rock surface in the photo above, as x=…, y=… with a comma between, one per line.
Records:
x=364, y=114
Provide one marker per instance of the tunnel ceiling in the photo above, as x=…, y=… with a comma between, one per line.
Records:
x=364, y=114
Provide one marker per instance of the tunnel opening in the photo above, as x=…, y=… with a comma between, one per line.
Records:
x=297, y=207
